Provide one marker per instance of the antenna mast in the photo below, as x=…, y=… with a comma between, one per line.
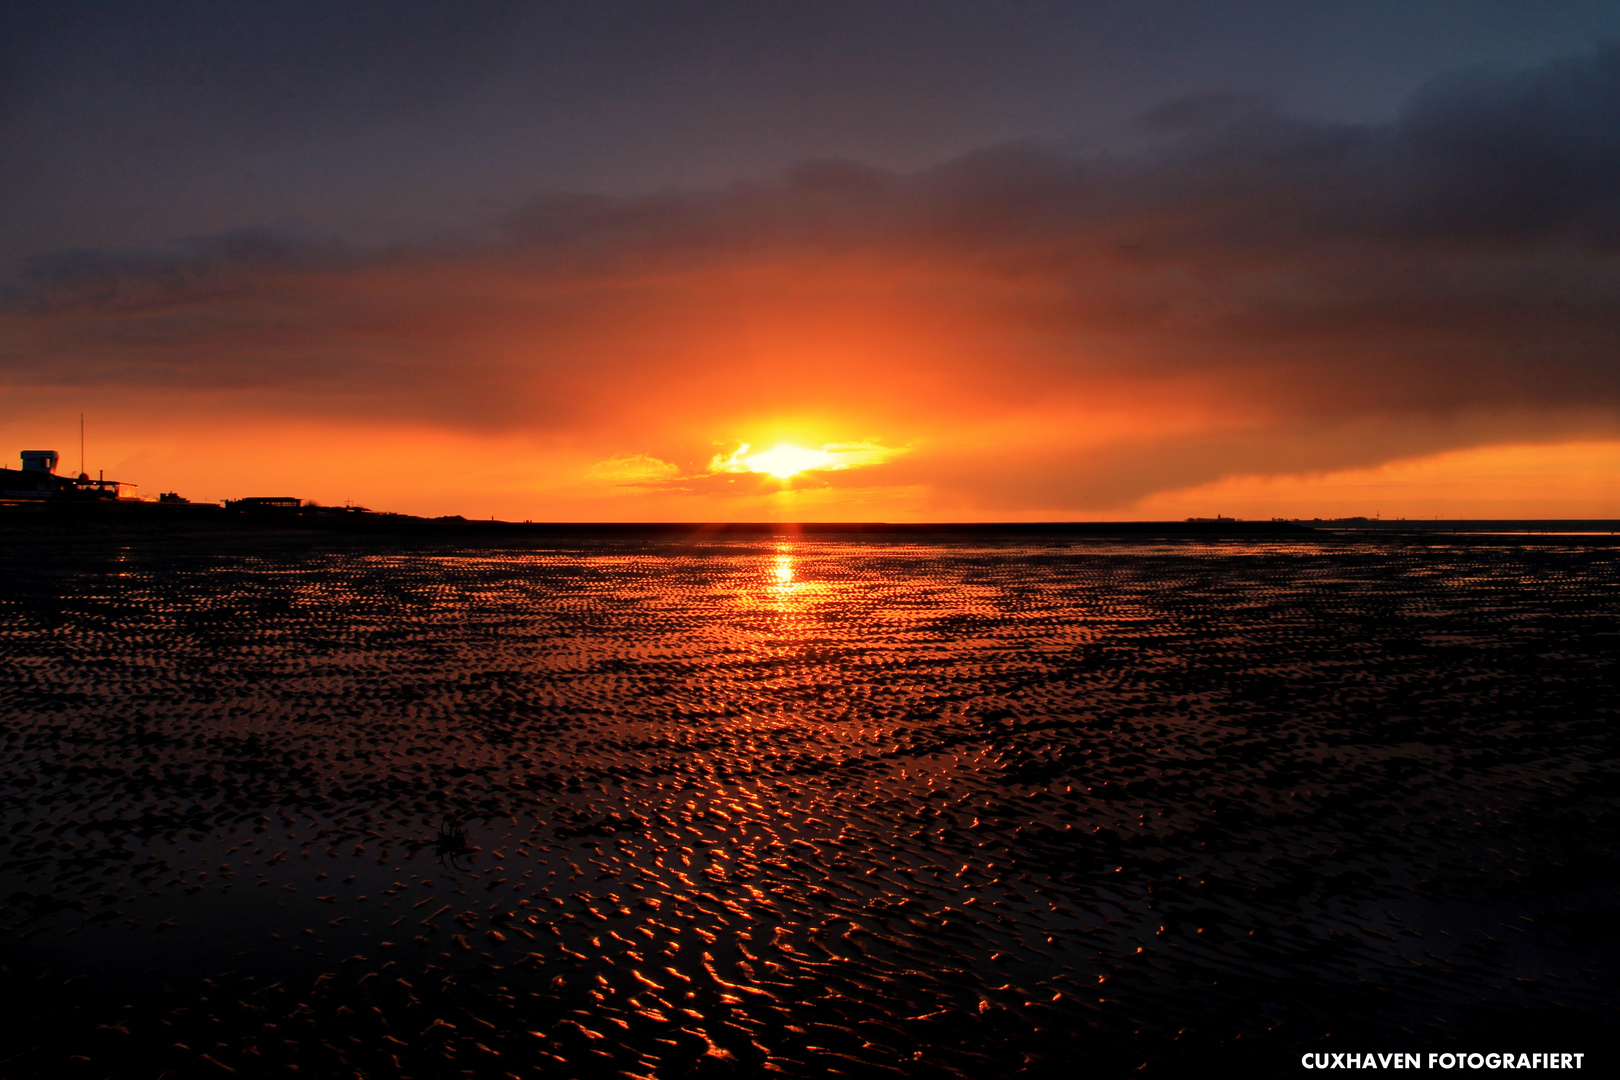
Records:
x=81, y=444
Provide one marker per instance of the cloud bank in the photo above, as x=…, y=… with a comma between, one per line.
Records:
x=1240, y=292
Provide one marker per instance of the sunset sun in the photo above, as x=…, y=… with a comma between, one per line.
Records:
x=784, y=460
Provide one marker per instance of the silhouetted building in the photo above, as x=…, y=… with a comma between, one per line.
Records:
x=37, y=479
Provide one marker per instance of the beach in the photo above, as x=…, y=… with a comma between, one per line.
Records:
x=663, y=806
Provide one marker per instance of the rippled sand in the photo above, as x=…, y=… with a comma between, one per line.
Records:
x=804, y=807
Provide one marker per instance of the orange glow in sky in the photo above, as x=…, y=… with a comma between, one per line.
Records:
x=990, y=375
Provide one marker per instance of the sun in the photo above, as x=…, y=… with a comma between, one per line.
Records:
x=784, y=460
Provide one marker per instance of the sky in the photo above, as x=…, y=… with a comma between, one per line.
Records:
x=835, y=261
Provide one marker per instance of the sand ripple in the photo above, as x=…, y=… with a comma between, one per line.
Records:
x=803, y=807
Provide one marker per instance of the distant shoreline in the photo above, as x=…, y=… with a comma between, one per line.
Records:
x=34, y=523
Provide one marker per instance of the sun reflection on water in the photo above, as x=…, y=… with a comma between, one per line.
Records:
x=783, y=577
x=780, y=581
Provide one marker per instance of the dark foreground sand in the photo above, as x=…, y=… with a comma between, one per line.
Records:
x=812, y=807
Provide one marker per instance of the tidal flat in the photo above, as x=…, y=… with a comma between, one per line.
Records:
x=804, y=806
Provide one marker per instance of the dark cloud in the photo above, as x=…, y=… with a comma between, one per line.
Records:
x=127, y=122
x=1515, y=156
x=237, y=262
x=1529, y=157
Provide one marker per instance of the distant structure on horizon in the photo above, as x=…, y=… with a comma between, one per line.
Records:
x=38, y=482
x=37, y=479
x=264, y=502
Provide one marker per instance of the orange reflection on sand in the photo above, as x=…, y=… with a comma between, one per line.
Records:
x=785, y=587
x=781, y=585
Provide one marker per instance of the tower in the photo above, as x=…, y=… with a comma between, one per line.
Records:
x=42, y=461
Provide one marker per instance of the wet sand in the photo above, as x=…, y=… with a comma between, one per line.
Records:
x=804, y=806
